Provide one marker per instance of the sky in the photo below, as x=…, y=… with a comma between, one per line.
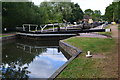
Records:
x=87, y=4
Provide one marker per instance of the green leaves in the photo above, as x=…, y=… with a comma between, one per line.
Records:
x=57, y=11
x=112, y=12
x=95, y=15
x=18, y=13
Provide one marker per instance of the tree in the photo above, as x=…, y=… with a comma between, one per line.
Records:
x=97, y=15
x=112, y=12
x=88, y=12
x=69, y=11
x=51, y=12
x=18, y=13
x=77, y=13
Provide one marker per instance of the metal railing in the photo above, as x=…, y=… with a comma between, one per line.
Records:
x=41, y=28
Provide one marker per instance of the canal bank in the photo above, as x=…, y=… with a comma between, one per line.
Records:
x=7, y=36
x=25, y=46
x=104, y=52
x=74, y=52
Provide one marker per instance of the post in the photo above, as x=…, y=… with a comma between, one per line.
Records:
x=23, y=28
x=24, y=48
x=66, y=26
x=88, y=55
x=29, y=27
x=36, y=28
x=41, y=28
x=53, y=26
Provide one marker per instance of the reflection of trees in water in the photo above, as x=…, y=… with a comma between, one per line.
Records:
x=13, y=71
x=14, y=59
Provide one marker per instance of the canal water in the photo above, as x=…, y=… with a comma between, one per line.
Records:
x=31, y=59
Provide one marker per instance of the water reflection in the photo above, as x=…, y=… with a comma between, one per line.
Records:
x=22, y=59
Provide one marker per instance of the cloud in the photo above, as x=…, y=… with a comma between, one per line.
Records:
x=46, y=64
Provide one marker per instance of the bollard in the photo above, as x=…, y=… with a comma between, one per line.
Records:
x=88, y=55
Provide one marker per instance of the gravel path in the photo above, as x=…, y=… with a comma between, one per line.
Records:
x=93, y=34
x=114, y=29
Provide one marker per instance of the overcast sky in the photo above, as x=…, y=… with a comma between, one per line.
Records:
x=87, y=4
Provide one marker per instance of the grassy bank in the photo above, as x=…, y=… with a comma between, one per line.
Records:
x=95, y=45
x=106, y=33
x=4, y=35
x=100, y=67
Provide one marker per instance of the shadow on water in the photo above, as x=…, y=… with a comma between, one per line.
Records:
x=43, y=38
x=31, y=59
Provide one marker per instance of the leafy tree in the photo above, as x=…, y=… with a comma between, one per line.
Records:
x=89, y=12
x=68, y=11
x=77, y=13
x=97, y=15
x=17, y=13
x=112, y=12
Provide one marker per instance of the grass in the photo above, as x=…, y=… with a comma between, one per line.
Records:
x=107, y=27
x=82, y=67
x=4, y=35
x=93, y=44
x=106, y=33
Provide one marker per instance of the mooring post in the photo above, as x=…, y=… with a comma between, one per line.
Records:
x=88, y=55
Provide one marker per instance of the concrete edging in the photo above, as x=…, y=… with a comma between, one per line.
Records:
x=72, y=51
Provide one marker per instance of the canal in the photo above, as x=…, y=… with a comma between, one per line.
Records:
x=31, y=59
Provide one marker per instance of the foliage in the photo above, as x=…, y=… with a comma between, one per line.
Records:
x=95, y=15
x=67, y=11
x=89, y=12
x=18, y=13
x=112, y=12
